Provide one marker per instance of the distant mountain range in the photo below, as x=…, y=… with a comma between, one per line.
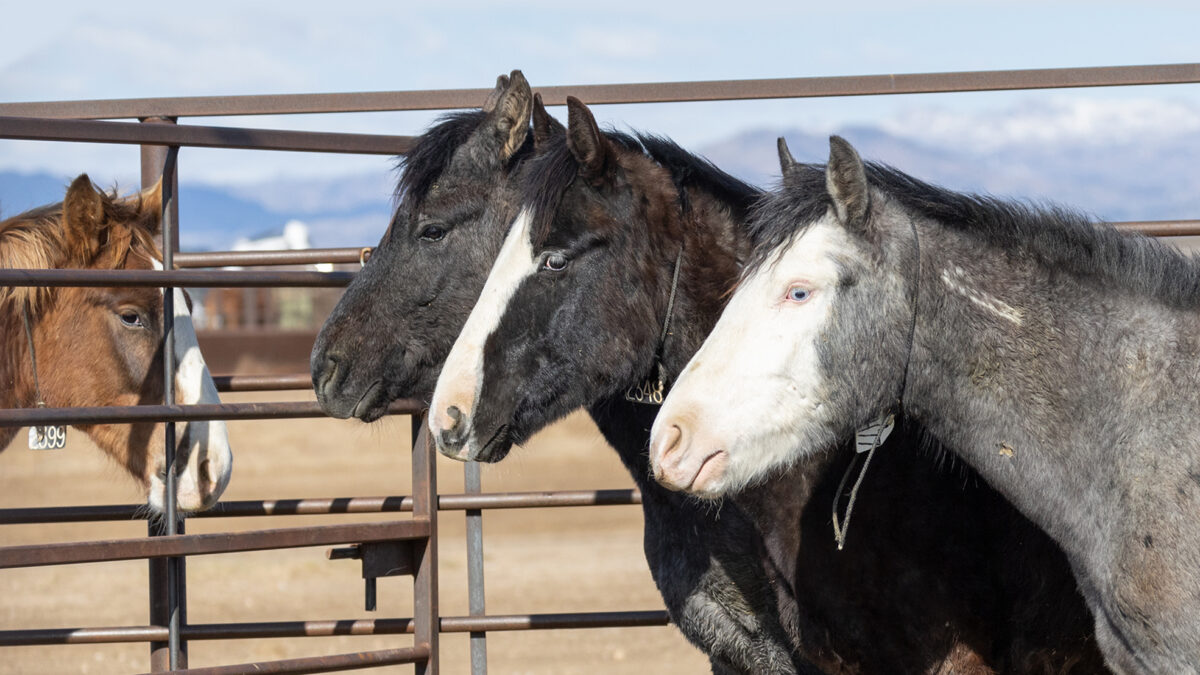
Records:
x=1131, y=164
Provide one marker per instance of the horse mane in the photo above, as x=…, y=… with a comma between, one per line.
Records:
x=1058, y=237
x=36, y=239
x=432, y=151
x=690, y=170
x=555, y=168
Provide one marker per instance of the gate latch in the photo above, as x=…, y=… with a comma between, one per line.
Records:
x=379, y=559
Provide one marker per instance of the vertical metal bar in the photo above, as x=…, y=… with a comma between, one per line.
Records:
x=473, y=483
x=170, y=234
x=167, y=591
x=425, y=585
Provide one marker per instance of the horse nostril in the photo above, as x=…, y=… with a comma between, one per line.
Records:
x=324, y=376
x=665, y=444
x=455, y=414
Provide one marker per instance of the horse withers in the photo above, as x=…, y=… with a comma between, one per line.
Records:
x=103, y=346
x=1056, y=356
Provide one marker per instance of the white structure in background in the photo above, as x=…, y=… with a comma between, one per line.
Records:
x=293, y=238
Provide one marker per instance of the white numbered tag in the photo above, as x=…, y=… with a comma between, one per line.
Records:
x=874, y=434
x=47, y=438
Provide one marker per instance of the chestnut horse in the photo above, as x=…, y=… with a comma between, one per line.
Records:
x=103, y=346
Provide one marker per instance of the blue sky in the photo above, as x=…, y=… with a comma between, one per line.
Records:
x=74, y=50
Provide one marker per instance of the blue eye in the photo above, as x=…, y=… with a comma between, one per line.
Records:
x=556, y=262
x=798, y=294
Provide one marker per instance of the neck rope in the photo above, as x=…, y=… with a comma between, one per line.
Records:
x=37, y=385
x=652, y=390
x=869, y=438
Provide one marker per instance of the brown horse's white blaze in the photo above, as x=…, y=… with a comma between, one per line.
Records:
x=103, y=346
x=459, y=384
x=203, y=459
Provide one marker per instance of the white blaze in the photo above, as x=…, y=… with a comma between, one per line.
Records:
x=461, y=378
x=756, y=382
x=209, y=459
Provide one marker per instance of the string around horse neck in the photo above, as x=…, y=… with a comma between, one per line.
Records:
x=37, y=385
x=662, y=339
x=840, y=529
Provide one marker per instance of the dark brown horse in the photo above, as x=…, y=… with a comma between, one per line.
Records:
x=103, y=346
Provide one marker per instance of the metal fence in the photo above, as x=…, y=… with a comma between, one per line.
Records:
x=404, y=546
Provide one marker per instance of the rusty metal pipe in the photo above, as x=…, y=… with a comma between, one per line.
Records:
x=332, y=627
x=331, y=505
x=320, y=664
x=70, y=553
x=647, y=92
x=21, y=417
x=132, y=133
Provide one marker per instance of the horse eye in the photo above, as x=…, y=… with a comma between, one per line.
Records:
x=131, y=319
x=798, y=294
x=433, y=233
x=556, y=262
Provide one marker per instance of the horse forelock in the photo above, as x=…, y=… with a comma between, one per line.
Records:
x=37, y=239
x=554, y=169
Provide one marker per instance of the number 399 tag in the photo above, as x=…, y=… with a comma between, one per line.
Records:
x=47, y=438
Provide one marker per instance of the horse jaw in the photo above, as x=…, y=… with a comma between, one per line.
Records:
x=203, y=458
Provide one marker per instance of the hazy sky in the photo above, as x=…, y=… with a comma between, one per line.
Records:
x=77, y=50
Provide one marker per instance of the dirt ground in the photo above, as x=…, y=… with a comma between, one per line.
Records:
x=540, y=560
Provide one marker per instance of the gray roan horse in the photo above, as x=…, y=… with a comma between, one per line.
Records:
x=390, y=333
x=1058, y=357
x=943, y=576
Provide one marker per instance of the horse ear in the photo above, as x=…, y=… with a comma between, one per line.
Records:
x=501, y=86
x=83, y=219
x=150, y=206
x=589, y=147
x=846, y=180
x=544, y=126
x=787, y=163
x=509, y=117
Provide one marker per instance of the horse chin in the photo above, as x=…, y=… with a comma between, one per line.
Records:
x=497, y=447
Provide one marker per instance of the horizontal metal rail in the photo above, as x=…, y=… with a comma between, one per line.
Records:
x=330, y=505
x=308, y=256
x=328, y=628
x=183, y=278
x=296, y=382
x=21, y=417
x=319, y=664
x=70, y=553
x=647, y=92
x=133, y=133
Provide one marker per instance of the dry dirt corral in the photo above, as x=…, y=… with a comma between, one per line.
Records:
x=543, y=560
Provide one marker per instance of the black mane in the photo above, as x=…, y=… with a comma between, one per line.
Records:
x=555, y=168
x=432, y=151
x=691, y=170
x=1059, y=237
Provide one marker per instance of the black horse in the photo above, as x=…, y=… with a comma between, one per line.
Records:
x=613, y=243
x=390, y=333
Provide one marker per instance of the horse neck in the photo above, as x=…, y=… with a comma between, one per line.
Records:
x=712, y=242
x=15, y=390
x=1065, y=393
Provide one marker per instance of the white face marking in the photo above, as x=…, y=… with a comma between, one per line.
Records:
x=461, y=379
x=956, y=280
x=208, y=455
x=755, y=388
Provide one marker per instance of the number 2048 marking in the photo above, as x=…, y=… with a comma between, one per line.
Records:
x=47, y=438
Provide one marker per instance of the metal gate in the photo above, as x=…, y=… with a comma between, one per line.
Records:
x=406, y=546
